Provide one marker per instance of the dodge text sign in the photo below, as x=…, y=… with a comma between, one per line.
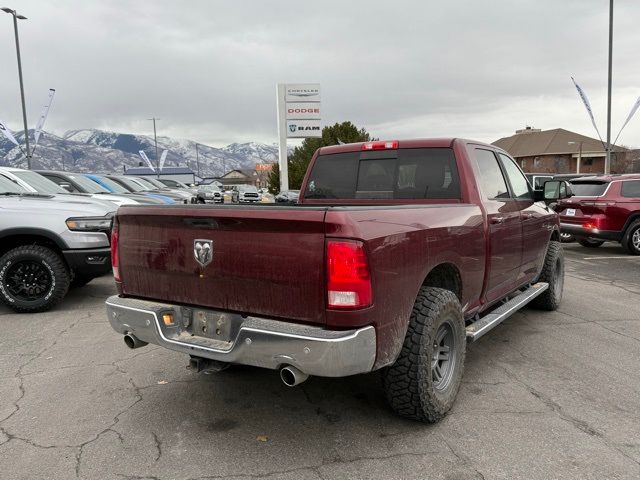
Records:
x=303, y=111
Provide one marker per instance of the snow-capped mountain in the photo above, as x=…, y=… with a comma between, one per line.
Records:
x=100, y=151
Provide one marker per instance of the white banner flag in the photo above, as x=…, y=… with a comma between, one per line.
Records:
x=587, y=105
x=43, y=115
x=7, y=133
x=633, y=111
x=163, y=157
x=146, y=159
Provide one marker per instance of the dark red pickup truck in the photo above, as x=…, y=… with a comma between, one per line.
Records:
x=397, y=254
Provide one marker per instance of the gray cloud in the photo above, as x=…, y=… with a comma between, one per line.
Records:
x=400, y=69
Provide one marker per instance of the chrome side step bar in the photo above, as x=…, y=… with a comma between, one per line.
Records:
x=496, y=317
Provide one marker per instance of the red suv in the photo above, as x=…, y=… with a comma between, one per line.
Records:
x=603, y=208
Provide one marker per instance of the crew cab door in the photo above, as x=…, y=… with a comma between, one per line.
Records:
x=504, y=256
x=535, y=219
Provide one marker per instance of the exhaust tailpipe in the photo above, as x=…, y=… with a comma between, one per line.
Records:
x=132, y=341
x=291, y=376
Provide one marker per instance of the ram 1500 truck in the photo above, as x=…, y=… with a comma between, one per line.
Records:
x=397, y=254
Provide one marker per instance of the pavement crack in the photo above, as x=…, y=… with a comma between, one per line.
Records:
x=577, y=423
x=158, y=445
x=466, y=461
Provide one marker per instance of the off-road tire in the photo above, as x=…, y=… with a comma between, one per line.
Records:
x=55, y=268
x=409, y=383
x=631, y=236
x=553, y=274
x=589, y=243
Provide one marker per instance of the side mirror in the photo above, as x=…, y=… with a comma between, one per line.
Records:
x=555, y=190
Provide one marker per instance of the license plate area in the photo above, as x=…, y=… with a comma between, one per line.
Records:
x=570, y=212
x=212, y=325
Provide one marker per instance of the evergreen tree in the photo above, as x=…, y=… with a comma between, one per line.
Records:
x=345, y=132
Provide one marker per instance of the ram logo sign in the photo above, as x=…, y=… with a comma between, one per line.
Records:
x=203, y=251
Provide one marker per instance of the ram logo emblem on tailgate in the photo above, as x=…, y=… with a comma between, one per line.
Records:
x=203, y=251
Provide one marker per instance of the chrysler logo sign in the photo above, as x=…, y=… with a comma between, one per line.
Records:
x=302, y=92
x=203, y=251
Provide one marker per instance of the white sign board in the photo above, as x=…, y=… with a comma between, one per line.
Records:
x=304, y=128
x=298, y=117
x=303, y=111
x=302, y=92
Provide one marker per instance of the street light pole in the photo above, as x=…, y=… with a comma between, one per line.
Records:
x=17, y=17
x=155, y=139
x=607, y=160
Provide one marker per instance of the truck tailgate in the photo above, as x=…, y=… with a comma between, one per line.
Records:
x=267, y=261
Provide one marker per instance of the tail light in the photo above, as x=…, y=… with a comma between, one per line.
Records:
x=389, y=145
x=348, y=277
x=115, y=259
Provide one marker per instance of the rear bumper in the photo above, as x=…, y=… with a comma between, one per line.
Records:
x=580, y=232
x=92, y=262
x=252, y=341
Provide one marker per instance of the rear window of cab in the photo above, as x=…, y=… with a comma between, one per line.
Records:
x=413, y=173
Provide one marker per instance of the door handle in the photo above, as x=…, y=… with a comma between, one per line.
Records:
x=527, y=215
x=497, y=220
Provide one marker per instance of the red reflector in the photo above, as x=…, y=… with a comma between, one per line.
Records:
x=589, y=226
x=387, y=145
x=348, y=279
x=115, y=259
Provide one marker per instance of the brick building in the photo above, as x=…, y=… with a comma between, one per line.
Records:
x=559, y=151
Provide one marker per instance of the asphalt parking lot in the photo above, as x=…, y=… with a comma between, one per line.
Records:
x=545, y=396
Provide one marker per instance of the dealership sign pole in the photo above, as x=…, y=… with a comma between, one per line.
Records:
x=298, y=117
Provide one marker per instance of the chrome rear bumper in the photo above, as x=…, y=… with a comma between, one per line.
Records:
x=251, y=340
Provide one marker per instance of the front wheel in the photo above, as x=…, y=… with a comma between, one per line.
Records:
x=33, y=278
x=590, y=243
x=423, y=382
x=631, y=239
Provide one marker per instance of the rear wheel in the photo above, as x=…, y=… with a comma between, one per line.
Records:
x=590, y=243
x=631, y=239
x=33, y=278
x=553, y=274
x=423, y=382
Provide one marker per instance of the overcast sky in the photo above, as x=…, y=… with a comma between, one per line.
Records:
x=208, y=69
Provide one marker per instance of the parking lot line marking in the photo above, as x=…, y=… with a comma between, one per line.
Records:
x=609, y=258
